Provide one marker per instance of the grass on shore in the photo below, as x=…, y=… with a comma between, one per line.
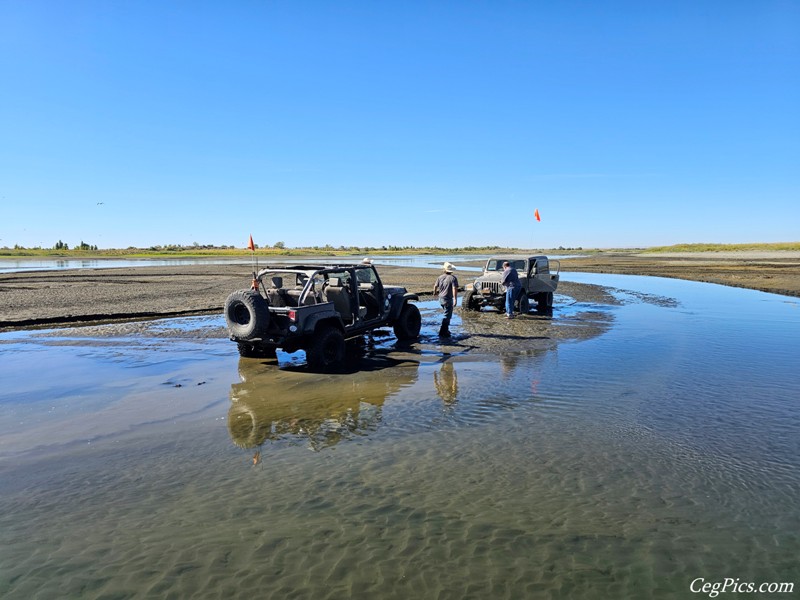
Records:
x=725, y=247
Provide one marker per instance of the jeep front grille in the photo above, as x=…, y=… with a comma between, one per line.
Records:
x=491, y=287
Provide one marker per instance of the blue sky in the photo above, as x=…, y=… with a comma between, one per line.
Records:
x=403, y=123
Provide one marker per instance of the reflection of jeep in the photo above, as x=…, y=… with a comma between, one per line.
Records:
x=538, y=283
x=316, y=308
x=312, y=408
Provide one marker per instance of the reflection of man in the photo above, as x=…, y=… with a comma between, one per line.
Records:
x=447, y=288
x=510, y=279
x=508, y=363
x=446, y=383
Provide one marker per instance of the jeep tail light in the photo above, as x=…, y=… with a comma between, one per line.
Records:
x=292, y=315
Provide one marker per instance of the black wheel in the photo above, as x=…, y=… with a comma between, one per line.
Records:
x=408, y=323
x=524, y=303
x=246, y=314
x=327, y=349
x=469, y=302
x=248, y=350
x=544, y=300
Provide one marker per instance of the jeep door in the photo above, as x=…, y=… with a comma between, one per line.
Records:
x=370, y=293
x=539, y=275
x=533, y=270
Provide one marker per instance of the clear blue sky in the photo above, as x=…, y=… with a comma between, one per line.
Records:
x=139, y=123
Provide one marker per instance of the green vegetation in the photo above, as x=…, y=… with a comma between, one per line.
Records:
x=84, y=250
x=60, y=246
x=725, y=247
x=62, y=250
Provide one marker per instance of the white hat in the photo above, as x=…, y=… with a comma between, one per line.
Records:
x=367, y=261
x=448, y=267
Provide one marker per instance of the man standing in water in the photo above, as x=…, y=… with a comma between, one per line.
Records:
x=510, y=279
x=447, y=288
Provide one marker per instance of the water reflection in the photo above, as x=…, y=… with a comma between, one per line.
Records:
x=508, y=364
x=272, y=403
x=445, y=380
x=663, y=450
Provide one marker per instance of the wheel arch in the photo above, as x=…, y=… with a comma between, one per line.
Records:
x=397, y=304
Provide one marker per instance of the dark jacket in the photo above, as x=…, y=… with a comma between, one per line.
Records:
x=510, y=278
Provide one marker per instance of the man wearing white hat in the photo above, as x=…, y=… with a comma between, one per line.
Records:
x=447, y=289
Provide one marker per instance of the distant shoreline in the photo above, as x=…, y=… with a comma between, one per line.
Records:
x=352, y=251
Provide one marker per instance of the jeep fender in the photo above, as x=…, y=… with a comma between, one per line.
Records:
x=398, y=302
x=300, y=339
x=314, y=321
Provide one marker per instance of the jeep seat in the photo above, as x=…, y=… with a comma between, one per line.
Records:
x=276, y=295
x=340, y=296
x=293, y=297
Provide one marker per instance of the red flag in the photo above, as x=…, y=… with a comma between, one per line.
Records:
x=536, y=214
x=251, y=246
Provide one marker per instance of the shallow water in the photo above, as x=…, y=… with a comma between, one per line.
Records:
x=10, y=265
x=150, y=461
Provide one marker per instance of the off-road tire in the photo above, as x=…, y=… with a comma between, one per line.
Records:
x=524, y=303
x=544, y=300
x=327, y=349
x=246, y=314
x=248, y=350
x=468, y=302
x=408, y=324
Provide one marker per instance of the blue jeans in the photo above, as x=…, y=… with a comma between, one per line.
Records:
x=447, y=306
x=511, y=295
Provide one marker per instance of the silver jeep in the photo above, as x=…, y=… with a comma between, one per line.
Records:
x=538, y=275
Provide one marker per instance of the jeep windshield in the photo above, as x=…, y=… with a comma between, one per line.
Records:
x=496, y=264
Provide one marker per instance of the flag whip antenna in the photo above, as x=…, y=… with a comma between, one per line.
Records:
x=252, y=247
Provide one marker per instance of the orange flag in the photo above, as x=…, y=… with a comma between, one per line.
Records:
x=251, y=246
x=536, y=214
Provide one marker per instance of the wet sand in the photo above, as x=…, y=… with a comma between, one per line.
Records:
x=57, y=298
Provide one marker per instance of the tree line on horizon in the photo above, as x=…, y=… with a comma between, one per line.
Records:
x=280, y=246
x=61, y=246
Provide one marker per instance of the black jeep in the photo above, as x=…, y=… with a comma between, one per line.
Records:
x=316, y=308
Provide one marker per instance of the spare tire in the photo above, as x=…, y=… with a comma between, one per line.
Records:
x=246, y=315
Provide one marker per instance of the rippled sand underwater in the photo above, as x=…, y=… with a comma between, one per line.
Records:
x=624, y=464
